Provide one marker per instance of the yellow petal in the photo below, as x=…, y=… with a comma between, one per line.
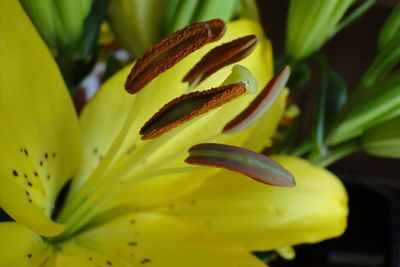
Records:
x=263, y=217
x=111, y=106
x=39, y=129
x=20, y=246
x=153, y=192
x=154, y=240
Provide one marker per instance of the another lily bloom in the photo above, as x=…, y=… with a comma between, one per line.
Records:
x=133, y=201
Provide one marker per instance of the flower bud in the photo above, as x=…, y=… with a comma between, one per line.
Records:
x=61, y=22
x=136, y=23
x=383, y=140
x=311, y=23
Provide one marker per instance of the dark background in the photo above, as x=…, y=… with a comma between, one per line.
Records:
x=372, y=238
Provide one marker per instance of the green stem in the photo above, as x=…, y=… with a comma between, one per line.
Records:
x=319, y=119
x=304, y=147
x=337, y=153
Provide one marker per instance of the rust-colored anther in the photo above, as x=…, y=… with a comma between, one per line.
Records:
x=217, y=29
x=188, y=107
x=220, y=57
x=172, y=49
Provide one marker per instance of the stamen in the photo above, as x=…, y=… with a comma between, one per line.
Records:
x=220, y=57
x=261, y=104
x=249, y=163
x=189, y=106
x=171, y=50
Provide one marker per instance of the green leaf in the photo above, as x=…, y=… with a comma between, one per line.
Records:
x=381, y=67
x=318, y=131
x=77, y=61
x=331, y=99
x=300, y=71
x=391, y=29
x=336, y=96
x=382, y=105
x=300, y=76
x=112, y=67
x=286, y=139
x=88, y=43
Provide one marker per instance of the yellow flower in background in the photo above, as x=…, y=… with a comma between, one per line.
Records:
x=134, y=202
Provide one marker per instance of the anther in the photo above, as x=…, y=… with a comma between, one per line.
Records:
x=172, y=49
x=188, y=107
x=220, y=57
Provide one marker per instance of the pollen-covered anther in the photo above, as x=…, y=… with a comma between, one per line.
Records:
x=188, y=107
x=261, y=104
x=171, y=50
x=249, y=163
x=219, y=57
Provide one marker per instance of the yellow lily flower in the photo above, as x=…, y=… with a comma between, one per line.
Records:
x=134, y=202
